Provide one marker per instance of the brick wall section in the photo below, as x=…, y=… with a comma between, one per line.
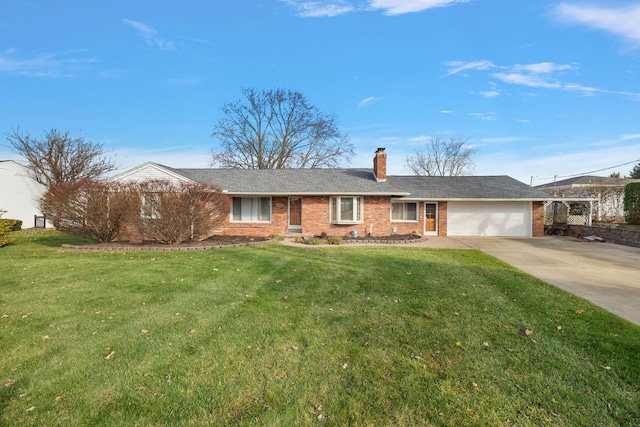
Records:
x=613, y=235
x=278, y=224
x=316, y=219
x=537, y=218
x=376, y=214
x=442, y=219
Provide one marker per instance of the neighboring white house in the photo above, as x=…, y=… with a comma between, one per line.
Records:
x=19, y=194
x=607, y=192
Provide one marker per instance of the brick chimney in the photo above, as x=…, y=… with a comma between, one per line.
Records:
x=380, y=165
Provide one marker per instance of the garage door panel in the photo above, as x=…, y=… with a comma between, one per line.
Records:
x=489, y=219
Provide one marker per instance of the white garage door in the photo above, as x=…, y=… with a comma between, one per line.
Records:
x=489, y=219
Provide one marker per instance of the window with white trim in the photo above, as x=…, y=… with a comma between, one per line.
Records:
x=251, y=209
x=404, y=211
x=346, y=210
x=150, y=204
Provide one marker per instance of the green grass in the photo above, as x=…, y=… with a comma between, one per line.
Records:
x=629, y=227
x=277, y=335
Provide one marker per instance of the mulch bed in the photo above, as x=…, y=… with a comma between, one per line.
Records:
x=217, y=242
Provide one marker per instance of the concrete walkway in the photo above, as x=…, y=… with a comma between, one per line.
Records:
x=606, y=274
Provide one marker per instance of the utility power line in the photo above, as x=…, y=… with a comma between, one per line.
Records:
x=590, y=172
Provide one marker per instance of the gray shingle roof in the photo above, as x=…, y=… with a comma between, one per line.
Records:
x=362, y=182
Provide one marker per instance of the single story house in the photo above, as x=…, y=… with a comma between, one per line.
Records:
x=20, y=195
x=342, y=202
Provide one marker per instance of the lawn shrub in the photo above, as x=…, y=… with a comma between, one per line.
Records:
x=174, y=212
x=88, y=208
x=5, y=229
x=632, y=203
x=334, y=240
x=14, y=224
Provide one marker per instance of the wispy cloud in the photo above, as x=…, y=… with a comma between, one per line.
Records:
x=485, y=116
x=420, y=139
x=628, y=137
x=447, y=111
x=490, y=93
x=399, y=7
x=331, y=8
x=320, y=9
x=545, y=75
x=460, y=66
x=367, y=101
x=502, y=139
x=622, y=21
x=150, y=35
x=62, y=64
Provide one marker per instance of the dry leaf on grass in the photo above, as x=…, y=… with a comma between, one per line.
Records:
x=110, y=355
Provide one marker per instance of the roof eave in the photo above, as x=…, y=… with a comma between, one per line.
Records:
x=316, y=193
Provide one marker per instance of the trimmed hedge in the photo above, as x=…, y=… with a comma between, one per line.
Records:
x=632, y=203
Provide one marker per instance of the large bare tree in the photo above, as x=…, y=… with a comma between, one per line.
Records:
x=443, y=157
x=277, y=129
x=57, y=157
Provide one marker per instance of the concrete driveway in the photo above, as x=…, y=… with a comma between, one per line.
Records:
x=606, y=274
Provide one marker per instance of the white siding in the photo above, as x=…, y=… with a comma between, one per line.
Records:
x=149, y=171
x=19, y=193
x=508, y=219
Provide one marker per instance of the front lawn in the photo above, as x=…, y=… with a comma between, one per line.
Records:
x=280, y=336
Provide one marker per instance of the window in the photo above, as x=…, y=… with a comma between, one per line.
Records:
x=346, y=210
x=150, y=205
x=404, y=211
x=251, y=209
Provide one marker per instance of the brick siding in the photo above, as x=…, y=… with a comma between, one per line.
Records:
x=537, y=219
x=442, y=219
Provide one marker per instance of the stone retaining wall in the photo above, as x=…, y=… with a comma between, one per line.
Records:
x=613, y=235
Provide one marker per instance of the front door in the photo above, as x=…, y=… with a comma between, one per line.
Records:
x=295, y=213
x=430, y=218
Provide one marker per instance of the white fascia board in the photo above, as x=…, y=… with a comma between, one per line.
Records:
x=306, y=193
x=150, y=165
x=462, y=199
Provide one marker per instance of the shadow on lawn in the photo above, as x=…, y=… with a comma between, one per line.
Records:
x=48, y=238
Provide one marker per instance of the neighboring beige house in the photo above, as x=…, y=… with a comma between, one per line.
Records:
x=19, y=195
x=607, y=194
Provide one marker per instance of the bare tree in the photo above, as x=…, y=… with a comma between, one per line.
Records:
x=172, y=212
x=440, y=157
x=278, y=129
x=57, y=157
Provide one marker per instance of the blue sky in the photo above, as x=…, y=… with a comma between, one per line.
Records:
x=539, y=88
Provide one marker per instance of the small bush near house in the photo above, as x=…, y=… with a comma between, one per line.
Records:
x=632, y=203
x=174, y=212
x=14, y=224
x=5, y=229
